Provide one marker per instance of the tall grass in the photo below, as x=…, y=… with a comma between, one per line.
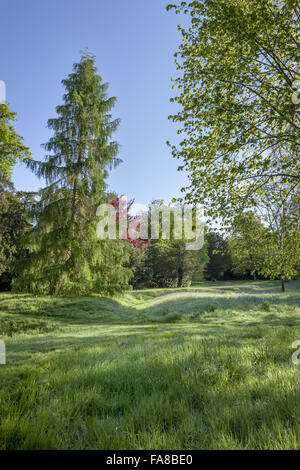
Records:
x=207, y=367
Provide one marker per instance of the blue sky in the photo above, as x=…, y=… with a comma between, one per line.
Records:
x=134, y=42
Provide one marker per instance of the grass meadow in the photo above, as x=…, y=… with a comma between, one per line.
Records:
x=205, y=367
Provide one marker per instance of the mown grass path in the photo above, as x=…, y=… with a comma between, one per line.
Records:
x=207, y=367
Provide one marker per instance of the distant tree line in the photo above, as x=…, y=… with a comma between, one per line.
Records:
x=252, y=250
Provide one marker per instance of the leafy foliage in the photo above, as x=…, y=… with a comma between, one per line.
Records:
x=171, y=265
x=238, y=92
x=14, y=224
x=65, y=253
x=165, y=261
x=11, y=147
x=281, y=210
x=132, y=222
x=248, y=245
x=219, y=261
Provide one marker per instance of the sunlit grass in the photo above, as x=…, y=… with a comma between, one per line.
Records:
x=206, y=367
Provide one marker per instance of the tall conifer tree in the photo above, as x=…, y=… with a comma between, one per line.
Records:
x=66, y=256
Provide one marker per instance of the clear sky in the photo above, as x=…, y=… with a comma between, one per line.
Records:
x=134, y=42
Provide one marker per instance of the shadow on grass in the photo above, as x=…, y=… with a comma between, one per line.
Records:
x=192, y=394
x=123, y=338
x=70, y=310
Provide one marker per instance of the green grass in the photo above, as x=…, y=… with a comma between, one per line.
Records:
x=206, y=367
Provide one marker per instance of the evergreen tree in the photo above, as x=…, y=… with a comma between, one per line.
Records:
x=66, y=255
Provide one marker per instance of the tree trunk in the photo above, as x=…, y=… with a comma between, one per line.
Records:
x=59, y=286
x=254, y=276
x=180, y=277
x=282, y=285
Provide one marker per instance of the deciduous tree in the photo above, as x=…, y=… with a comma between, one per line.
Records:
x=11, y=147
x=280, y=207
x=247, y=245
x=14, y=224
x=238, y=95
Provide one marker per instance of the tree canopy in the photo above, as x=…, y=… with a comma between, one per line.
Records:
x=238, y=91
x=11, y=146
x=14, y=224
x=247, y=246
x=66, y=255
